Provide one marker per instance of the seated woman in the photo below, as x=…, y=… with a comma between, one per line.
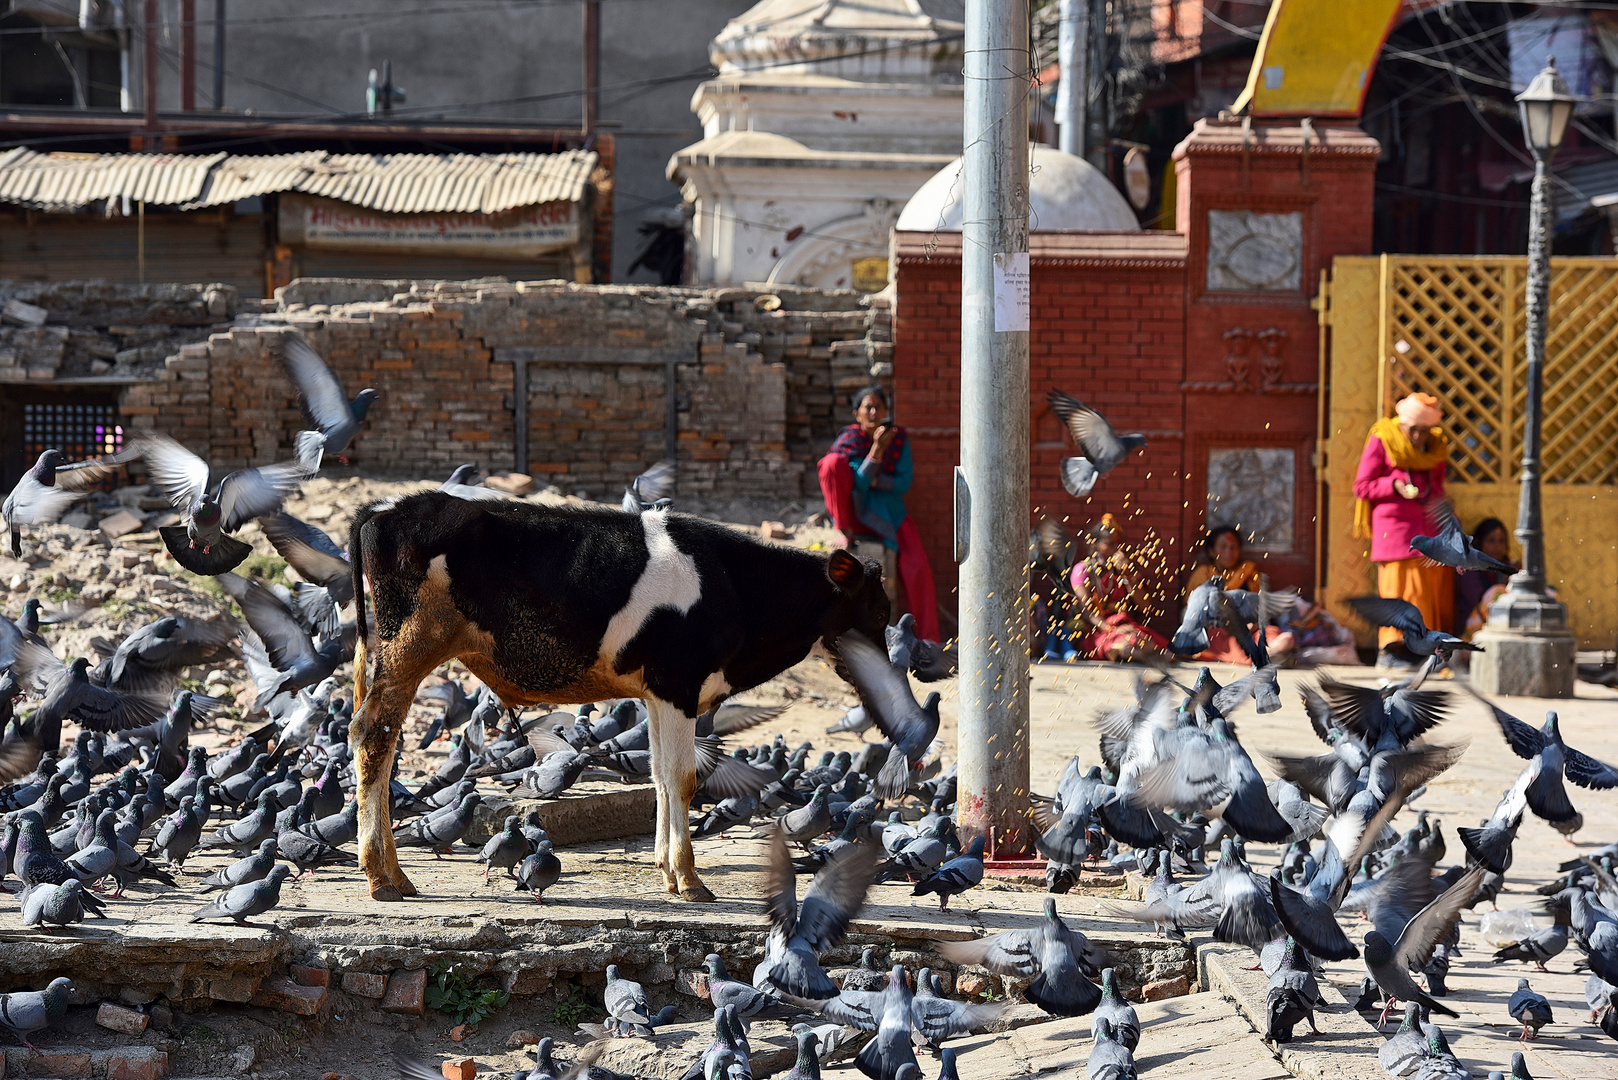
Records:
x=1221, y=557
x=1107, y=587
x=1474, y=589
x=864, y=479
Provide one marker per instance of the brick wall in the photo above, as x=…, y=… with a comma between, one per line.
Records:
x=758, y=394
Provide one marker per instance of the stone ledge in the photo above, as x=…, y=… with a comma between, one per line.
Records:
x=589, y=812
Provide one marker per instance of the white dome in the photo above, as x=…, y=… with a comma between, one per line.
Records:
x=1065, y=194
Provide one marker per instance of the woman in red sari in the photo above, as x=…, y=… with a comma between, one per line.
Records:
x=1108, y=588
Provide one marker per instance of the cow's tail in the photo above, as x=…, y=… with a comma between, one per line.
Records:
x=356, y=569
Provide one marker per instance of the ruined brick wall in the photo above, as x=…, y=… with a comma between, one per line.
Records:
x=763, y=390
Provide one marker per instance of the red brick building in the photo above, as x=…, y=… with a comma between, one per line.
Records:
x=1203, y=339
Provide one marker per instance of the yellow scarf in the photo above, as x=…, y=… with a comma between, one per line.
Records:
x=1402, y=454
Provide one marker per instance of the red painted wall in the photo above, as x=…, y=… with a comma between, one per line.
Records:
x=1126, y=323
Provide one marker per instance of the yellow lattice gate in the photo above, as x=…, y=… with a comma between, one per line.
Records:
x=1455, y=328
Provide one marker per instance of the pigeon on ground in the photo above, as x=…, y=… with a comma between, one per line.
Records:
x=807, y=1066
x=24, y=1012
x=723, y=1054
x=539, y=871
x=1114, y=1010
x=890, y=1014
x=1538, y=947
x=1063, y=960
x=651, y=490
x=244, y=901
x=626, y=1004
x=505, y=849
x=1293, y=995
x=799, y=936
x=254, y=867
x=1109, y=1058
x=1103, y=449
x=1530, y=1009
x=58, y=905
x=201, y=544
x=306, y=853
x=48, y=487
x=328, y=409
x=1404, y=616
x=1440, y=1062
x=1402, y=1054
x=337, y=830
x=885, y=692
x=457, y=709
x=1450, y=546
x=749, y=1002
x=247, y=831
x=439, y=832
x=954, y=876
x=179, y=834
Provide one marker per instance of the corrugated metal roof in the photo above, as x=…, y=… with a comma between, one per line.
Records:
x=390, y=183
x=73, y=181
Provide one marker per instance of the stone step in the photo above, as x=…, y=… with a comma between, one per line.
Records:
x=118, y=1063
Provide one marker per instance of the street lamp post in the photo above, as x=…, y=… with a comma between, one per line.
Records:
x=1528, y=649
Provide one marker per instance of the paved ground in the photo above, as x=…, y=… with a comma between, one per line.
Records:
x=612, y=884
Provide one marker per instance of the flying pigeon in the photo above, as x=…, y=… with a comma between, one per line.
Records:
x=1103, y=449
x=280, y=654
x=651, y=490
x=201, y=544
x=1549, y=760
x=69, y=693
x=461, y=485
x=336, y=418
x=799, y=936
x=1063, y=960
x=1404, y=616
x=885, y=692
x=49, y=487
x=1391, y=961
x=1450, y=546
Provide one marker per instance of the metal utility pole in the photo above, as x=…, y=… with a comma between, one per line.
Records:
x=993, y=507
x=219, y=54
x=188, y=55
x=592, y=64
x=1073, y=92
x=149, y=66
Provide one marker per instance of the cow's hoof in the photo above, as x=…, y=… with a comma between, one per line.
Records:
x=697, y=894
x=387, y=893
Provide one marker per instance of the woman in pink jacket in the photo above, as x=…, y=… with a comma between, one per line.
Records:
x=1401, y=471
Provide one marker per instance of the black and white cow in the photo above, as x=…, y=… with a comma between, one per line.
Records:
x=560, y=604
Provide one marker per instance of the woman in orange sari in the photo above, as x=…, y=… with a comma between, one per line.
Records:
x=1108, y=587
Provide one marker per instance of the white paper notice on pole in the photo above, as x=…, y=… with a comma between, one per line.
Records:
x=1010, y=291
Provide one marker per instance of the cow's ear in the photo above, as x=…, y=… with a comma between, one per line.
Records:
x=845, y=570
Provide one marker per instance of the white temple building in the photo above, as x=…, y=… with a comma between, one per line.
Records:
x=826, y=117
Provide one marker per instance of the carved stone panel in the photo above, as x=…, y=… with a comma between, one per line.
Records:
x=1253, y=489
x=1249, y=252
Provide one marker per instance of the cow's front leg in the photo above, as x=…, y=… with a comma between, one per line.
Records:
x=674, y=769
x=374, y=736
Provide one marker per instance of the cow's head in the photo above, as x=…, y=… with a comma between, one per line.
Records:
x=859, y=603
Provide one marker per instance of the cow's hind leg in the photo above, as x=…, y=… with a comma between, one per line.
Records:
x=374, y=735
x=674, y=771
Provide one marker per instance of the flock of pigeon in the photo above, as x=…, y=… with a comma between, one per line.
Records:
x=1175, y=795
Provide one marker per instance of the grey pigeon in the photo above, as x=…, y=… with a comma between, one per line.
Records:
x=800, y=936
x=937, y=1017
x=306, y=853
x=807, y=1065
x=749, y=1002
x=650, y=489
x=1530, y=1009
x=1404, y=616
x=809, y=821
x=244, y=901
x=1450, y=546
x=1063, y=960
x=1390, y=962
x=333, y=415
x=928, y=661
x=47, y=488
x=505, y=849
x=58, y=905
x=954, y=876
x=1550, y=759
x=1234, y=611
x=441, y=832
x=1209, y=772
x=280, y=655
x=539, y=872
x=201, y=544
x=338, y=829
x=855, y=721
x=179, y=834
x=1103, y=449
x=885, y=692
x=1109, y=1058
x=152, y=659
x=97, y=859
x=1293, y=995
x=626, y=1003
x=1113, y=1009
x=23, y=1012
x=1538, y=947
x=248, y=831
x=69, y=693
x=462, y=484
x=1402, y=1054
x=254, y=867
x=1440, y=1062
x=724, y=1049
